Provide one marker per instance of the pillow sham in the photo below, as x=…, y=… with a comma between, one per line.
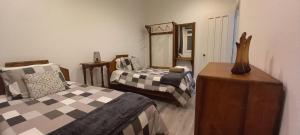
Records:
x=118, y=64
x=135, y=63
x=126, y=63
x=15, y=86
x=43, y=84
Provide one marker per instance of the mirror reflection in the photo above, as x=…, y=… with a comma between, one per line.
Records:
x=185, y=46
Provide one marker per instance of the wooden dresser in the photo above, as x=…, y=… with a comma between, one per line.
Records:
x=228, y=104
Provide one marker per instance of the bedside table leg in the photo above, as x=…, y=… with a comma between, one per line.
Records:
x=84, y=75
x=102, y=80
x=108, y=76
x=92, y=77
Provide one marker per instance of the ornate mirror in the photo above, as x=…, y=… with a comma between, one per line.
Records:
x=161, y=41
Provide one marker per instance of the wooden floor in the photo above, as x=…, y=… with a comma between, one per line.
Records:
x=179, y=120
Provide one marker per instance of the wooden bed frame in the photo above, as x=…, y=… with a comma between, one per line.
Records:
x=164, y=96
x=64, y=71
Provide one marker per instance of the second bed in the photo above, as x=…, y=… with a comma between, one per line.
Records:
x=176, y=88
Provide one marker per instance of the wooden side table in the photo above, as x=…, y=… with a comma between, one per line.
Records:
x=90, y=66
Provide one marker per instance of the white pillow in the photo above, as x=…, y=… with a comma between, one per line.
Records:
x=118, y=64
x=136, y=64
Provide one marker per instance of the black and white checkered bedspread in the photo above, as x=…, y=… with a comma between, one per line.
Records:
x=149, y=79
x=47, y=114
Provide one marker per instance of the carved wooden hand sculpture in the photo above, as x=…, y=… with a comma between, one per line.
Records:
x=242, y=65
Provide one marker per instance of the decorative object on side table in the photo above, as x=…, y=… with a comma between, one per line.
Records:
x=242, y=65
x=97, y=57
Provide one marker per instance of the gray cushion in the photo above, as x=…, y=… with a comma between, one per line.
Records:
x=43, y=84
x=135, y=64
x=15, y=86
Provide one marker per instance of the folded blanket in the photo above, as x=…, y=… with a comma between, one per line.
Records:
x=110, y=119
x=173, y=79
x=176, y=70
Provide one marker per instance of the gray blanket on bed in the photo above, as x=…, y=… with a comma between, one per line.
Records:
x=110, y=119
x=173, y=79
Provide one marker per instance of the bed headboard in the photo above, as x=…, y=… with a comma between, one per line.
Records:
x=28, y=63
x=25, y=63
x=112, y=64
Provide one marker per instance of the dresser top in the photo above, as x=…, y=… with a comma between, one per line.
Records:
x=223, y=71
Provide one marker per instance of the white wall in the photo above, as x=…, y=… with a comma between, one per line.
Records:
x=67, y=32
x=186, y=11
x=275, y=48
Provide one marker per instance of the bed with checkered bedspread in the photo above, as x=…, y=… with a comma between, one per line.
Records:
x=52, y=112
x=149, y=79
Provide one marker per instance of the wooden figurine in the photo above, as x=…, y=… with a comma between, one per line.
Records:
x=242, y=65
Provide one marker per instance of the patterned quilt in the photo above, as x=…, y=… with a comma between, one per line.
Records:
x=149, y=79
x=49, y=113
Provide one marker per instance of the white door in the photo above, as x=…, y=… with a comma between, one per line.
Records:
x=219, y=45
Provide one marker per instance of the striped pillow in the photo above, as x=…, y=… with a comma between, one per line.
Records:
x=15, y=86
x=126, y=63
